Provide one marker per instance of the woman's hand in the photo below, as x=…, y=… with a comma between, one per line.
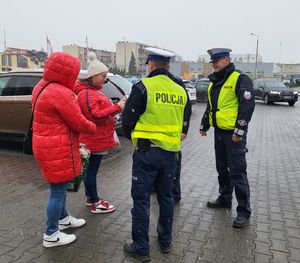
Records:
x=121, y=103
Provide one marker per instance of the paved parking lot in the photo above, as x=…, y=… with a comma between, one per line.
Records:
x=200, y=234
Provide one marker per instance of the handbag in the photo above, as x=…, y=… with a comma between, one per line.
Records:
x=27, y=149
x=74, y=184
x=116, y=139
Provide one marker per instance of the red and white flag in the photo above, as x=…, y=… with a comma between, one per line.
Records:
x=49, y=47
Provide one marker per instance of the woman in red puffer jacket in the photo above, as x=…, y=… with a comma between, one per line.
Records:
x=98, y=108
x=56, y=126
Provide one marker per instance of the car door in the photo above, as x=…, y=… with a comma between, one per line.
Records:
x=199, y=92
x=112, y=92
x=4, y=113
x=16, y=104
x=263, y=89
x=260, y=90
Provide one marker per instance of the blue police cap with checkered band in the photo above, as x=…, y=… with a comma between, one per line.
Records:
x=158, y=54
x=216, y=53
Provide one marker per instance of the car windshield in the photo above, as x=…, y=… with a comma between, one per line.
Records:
x=274, y=84
x=121, y=82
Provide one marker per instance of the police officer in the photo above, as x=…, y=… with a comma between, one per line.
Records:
x=153, y=119
x=185, y=128
x=229, y=110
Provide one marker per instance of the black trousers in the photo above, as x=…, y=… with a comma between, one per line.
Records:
x=177, y=189
x=232, y=169
x=150, y=167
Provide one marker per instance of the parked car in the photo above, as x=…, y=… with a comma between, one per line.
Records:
x=120, y=82
x=191, y=90
x=201, y=90
x=15, y=101
x=271, y=91
x=133, y=79
x=204, y=80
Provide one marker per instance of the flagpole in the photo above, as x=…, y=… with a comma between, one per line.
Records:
x=47, y=44
x=6, y=55
x=87, y=51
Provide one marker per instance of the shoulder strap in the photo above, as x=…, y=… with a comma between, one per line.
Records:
x=89, y=107
x=40, y=94
x=32, y=114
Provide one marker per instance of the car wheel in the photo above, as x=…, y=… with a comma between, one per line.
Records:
x=291, y=103
x=27, y=146
x=267, y=99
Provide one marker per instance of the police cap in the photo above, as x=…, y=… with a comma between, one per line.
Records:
x=158, y=54
x=216, y=53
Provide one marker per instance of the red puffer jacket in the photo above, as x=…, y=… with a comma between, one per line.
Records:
x=58, y=120
x=98, y=108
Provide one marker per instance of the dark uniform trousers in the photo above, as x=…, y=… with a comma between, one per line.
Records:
x=177, y=188
x=231, y=166
x=152, y=166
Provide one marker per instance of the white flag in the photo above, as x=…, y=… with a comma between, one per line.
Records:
x=49, y=47
x=86, y=43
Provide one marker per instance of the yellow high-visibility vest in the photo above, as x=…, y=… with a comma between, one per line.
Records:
x=162, y=120
x=227, y=111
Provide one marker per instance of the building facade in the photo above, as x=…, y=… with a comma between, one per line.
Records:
x=265, y=70
x=16, y=58
x=188, y=69
x=124, y=51
x=106, y=57
x=241, y=58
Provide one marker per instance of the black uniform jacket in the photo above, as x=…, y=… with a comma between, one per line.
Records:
x=244, y=93
x=137, y=102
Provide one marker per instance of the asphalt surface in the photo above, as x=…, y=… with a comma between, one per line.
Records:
x=199, y=234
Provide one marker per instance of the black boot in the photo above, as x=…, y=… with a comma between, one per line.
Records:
x=130, y=249
x=165, y=249
x=218, y=204
x=240, y=222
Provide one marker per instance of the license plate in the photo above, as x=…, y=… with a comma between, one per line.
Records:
x=287, y=97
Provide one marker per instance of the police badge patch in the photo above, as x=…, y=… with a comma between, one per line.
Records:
x=247, y=95
x=242, y=122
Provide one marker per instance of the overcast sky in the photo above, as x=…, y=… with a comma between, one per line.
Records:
x=188, y=27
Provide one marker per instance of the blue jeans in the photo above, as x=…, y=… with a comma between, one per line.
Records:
x=90, y=179
x=56, y=208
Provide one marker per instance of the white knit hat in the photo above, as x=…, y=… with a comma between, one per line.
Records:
x=95, y=66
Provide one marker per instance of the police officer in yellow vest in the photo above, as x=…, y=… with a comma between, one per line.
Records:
x=153, y=119
x=229, y=110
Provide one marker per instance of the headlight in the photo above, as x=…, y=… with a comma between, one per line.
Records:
x=295, y=92
x=275, y=92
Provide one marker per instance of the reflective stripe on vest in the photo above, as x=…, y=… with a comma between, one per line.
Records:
x=227, y=110
x=163, y=118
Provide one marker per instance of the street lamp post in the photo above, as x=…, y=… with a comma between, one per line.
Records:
x=256, y=55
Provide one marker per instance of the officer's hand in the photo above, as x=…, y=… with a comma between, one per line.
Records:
x=183, y=136
x=203, y=133
x=236, y=138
